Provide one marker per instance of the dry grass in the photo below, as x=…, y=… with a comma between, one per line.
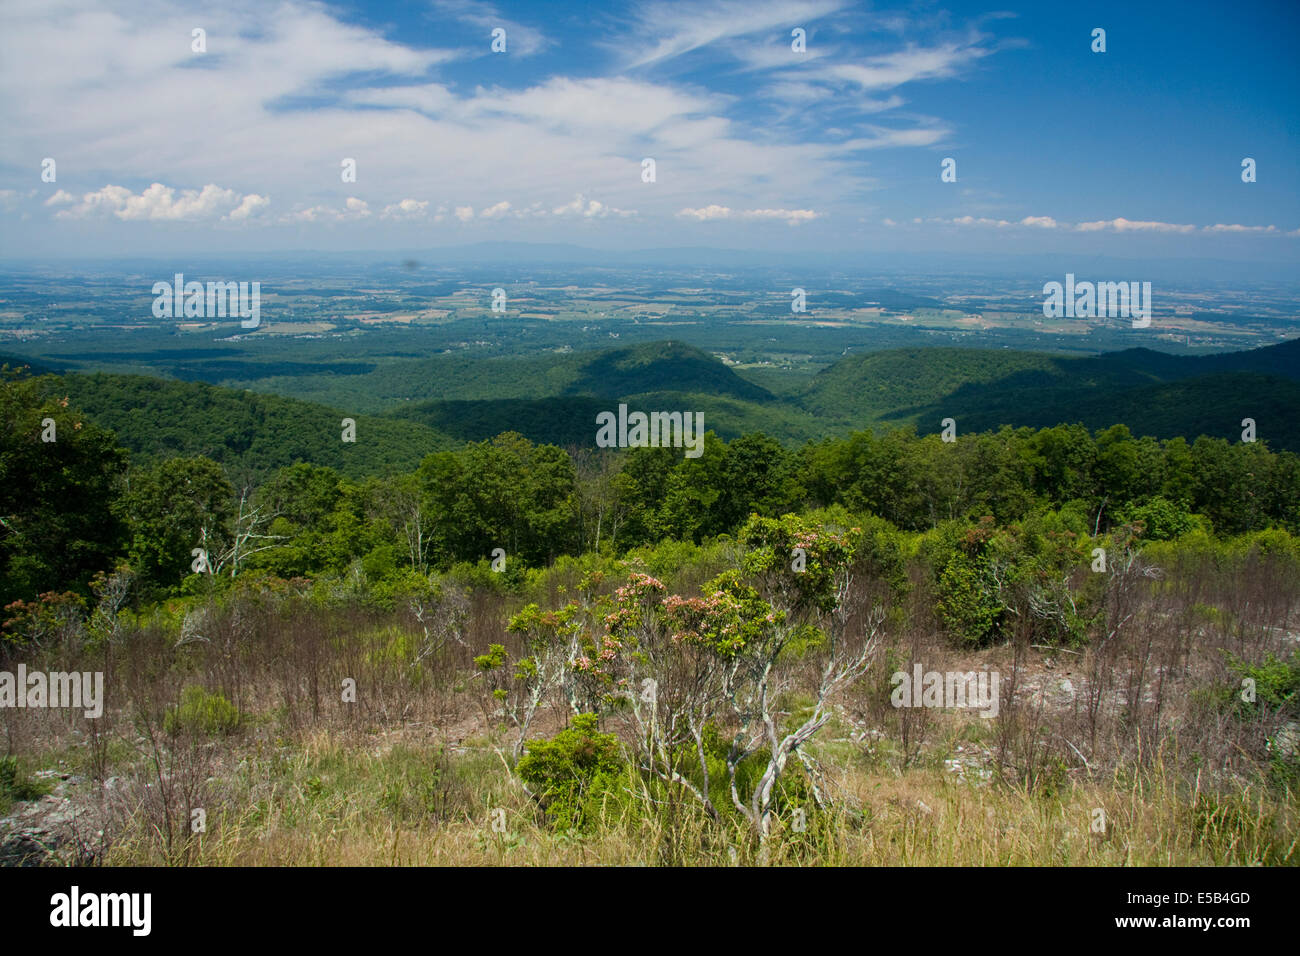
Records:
x=332, y=804
x=412, y=773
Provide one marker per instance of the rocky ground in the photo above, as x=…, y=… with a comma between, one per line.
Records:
x=63, y=827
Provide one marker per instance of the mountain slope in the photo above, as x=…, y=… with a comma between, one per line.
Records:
x=249, y=432
x=1151, y=392
x=1205, y=405
x=555, y=398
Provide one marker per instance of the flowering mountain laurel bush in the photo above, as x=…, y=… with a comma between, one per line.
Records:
x=681, y=667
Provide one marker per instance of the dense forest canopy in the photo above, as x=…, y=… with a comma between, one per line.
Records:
x=309, y=504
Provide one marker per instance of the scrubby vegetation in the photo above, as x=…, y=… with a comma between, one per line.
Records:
x=669, y=660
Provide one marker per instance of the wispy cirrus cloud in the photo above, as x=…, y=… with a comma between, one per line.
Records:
x=307, y=88
x=892, y=70
x=671, y=30
x=521, y=40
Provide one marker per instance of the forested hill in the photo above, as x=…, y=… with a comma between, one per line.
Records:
x=555, y=398
x=460, y=377
x=251, y=433
x=1151, y=392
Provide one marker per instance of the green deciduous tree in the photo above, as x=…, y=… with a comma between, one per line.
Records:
x=57, y=526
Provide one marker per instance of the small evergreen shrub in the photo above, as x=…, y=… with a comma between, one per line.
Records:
x=571, y=771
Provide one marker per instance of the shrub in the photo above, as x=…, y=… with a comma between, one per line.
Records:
x=204, y=713
x=1277, y=692
x=569, y=772
x=968, y=601
x=1277, y=683
x=16, y=785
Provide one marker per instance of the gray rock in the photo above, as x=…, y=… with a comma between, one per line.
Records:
x=24, y=848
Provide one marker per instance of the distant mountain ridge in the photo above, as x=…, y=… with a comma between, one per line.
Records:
x=556, y=397
x=1152, y=392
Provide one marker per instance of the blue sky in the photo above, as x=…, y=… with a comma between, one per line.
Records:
x=1132, y=152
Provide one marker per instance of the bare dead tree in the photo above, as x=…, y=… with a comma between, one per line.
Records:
x=246, y=538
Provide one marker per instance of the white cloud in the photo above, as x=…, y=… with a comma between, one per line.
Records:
x=1117, y=225
x=714, y=212
x=353, y=210
x=521, y=40
x=891, y=70
x=972, y=221
x=405, y=210
x=614, y=106
x=249, y=207
x=674, y=29
x=1128, y=225
x=882, y=137
x=1220, y=227
x=791, y=216
x=425, y=98
x=281, y=104
x=495, y=212
x=706, y=213
x=159, y=202
x=590, y=209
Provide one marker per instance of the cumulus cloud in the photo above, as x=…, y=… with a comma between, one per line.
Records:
x=1041, y=222
x=714, y=212
x=250, y=206
x=159, y=202
x=406, y=209
x=792, y=216
x=1129, y=225
x=590, y=209
x=705, y=213
x=354, y=209
x=310, y=86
